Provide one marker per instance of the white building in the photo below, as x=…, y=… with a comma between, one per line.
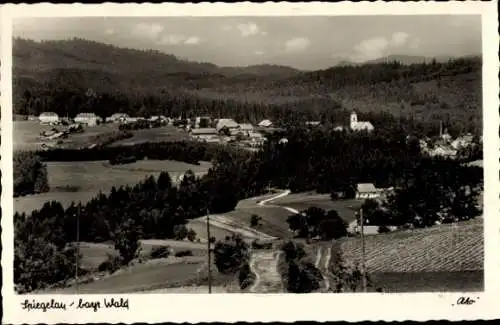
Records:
x=117, y=117
x=48, y=117
x=265, y=124
x=89, y=119
x=205, y=134
x=367, y=191
x=360, y=125
x=226, y=123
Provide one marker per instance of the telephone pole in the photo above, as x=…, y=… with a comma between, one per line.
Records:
x=363, y=260
x=209, y=257
x=77, y=247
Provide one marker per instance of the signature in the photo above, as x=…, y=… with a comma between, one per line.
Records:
x=465, y=301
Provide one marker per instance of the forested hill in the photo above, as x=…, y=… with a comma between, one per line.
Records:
x=81, y=54
x=55, y=76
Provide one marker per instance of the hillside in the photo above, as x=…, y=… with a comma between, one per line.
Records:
x=55, y=75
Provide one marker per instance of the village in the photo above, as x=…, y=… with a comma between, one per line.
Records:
x=228, y=131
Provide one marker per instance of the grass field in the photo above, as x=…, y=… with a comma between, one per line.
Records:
x=26, y=134
x=165, y=133
x=302, y=201
x=82, y=180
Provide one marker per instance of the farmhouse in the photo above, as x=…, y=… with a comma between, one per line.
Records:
x=48, y=117
x=117, y=117
x=360, y=125
x=313, y=123
x=265, y=124
x=246, y=129
x=229, y=124
x=367, y=191
x=89, y=119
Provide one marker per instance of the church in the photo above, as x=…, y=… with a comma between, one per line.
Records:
x=360, y=125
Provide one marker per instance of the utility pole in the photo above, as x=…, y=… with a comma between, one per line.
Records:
x=209, y=257
x=363, y=260
x=77, y=246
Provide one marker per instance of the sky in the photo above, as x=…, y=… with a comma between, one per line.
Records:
x=308, y=43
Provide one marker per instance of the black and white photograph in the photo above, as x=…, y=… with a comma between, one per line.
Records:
x=248, y=154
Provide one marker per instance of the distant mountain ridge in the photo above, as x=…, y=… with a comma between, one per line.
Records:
x=90, y=55
x=401, y=58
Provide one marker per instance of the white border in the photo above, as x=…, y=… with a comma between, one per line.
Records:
x=267, y=308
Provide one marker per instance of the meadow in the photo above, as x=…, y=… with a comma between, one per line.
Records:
x=26, y=134
x=161, y=134
x=80, y=181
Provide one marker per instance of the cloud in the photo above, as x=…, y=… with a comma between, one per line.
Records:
x=259, y=53
x=147, y=30
x=109, y=31
x=370, y=48
x=297, y=44
x=174, y=39
x=399, y=39
x=192, y=40
x=415, y=43
x=250, y=29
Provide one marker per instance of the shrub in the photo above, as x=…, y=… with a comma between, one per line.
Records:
x=191, y=235
x=111, y=264
x=160, y=252
x=383, y=229
x=180, y=232
x=231, y=254
x=254, y=220
x=246, y=277
x=184, y=253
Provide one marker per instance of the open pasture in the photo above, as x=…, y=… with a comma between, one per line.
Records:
x=26, y=134
x=161, y=134
x=80, y=181
x=302, y=201
x=94, y=254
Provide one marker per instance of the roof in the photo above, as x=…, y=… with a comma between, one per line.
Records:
x=118, y=115
x=48, y=114
x=204, y=131
x=265, y=123
x=86, y=115
x=362, y=125
x=366, y=187
x=226, y=122
x=246, y=126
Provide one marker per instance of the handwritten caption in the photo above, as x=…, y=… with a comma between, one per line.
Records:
x=465, y=301
x=93, y=305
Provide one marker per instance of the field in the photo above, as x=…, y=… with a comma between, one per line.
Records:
x=441, y=258
x=80, y=181
x=165, y=133
x=302, y=201
x=26, y=134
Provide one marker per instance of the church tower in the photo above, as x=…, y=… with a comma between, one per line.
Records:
x=354, y=120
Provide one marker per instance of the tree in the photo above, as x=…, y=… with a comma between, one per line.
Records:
x=343, y=277
x=231, y=254
x=127, y=241
x=301, y=275
x=254, y=220
x=181, y=232
x=332, y=227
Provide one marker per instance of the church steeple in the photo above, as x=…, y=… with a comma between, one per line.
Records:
x=354, y=119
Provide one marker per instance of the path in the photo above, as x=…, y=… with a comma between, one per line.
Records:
x=283, y=194
x=265, y=267
x=323, y=267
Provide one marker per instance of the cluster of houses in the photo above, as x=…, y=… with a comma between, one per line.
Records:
x=445, y=145
x=91, y=119
x=226, y=130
